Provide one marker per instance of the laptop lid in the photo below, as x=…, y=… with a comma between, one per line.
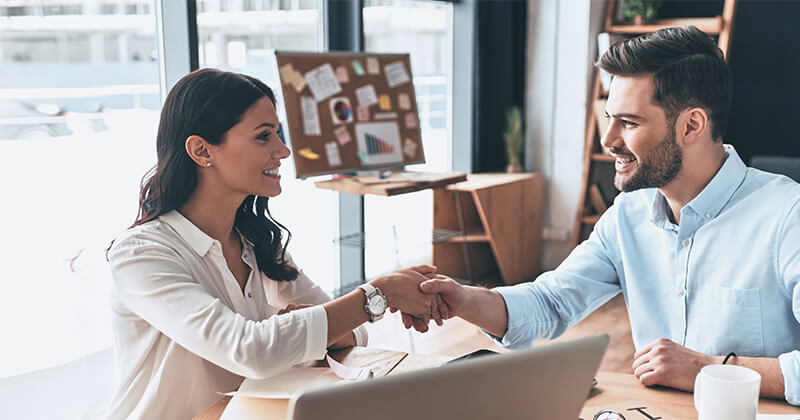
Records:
x=547, y=382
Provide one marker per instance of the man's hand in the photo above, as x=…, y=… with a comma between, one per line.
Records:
x=665, y=362
x=451, y=294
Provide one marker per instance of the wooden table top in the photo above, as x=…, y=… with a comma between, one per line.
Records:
x=612, y=390
x=615, y=389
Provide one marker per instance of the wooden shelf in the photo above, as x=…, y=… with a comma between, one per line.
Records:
x=502, y=217
x=709, y=25
x=469, y=237
x=399, y=182
x=590, y=220
x=602, y=157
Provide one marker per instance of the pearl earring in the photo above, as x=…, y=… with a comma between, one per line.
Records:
x=208, y=164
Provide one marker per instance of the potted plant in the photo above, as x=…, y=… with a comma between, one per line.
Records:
x=514, y=139
x=640, y=11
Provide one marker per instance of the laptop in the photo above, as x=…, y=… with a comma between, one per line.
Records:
x=546, y=382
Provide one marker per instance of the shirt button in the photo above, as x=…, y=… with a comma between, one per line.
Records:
x=681, y=292
x=708, y=215
x=685, y=242
x=250, y=295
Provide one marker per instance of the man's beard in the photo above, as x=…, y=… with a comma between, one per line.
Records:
x=655, y=170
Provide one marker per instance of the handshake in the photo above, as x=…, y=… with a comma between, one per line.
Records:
x=422, y=295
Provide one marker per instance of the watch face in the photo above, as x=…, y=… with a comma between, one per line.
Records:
x=377, y=305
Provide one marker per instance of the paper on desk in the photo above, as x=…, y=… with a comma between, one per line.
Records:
x=288, y=383
x=778, y=417
x=347, y=372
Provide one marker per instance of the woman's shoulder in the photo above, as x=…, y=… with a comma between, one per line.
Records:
x=155, y=232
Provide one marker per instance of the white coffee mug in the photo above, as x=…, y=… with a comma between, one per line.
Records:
x=726, y=392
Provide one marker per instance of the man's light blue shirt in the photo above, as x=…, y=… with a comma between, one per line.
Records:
x=727, y=279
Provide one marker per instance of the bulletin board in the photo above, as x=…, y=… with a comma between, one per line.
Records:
x=349, y=111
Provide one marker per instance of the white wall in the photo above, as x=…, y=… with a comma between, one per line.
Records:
x=561, y=49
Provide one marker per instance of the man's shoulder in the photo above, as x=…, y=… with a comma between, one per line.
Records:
x=777, y=187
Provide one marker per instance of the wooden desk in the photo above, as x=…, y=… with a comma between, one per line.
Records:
x=613, y=388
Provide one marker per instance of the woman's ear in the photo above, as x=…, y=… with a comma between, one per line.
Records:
x=693, y=125
x=198, y=150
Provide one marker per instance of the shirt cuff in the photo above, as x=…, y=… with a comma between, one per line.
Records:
x=316, y=320
x=520, y=312
x=790, y=367
x=362, y=337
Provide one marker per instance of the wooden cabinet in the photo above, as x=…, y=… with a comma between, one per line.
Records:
x=488, y=229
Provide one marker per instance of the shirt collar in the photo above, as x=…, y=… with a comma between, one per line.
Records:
x=713, y=197
x=190, y=233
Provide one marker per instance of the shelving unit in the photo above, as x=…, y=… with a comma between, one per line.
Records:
x=598, y=166
x=488, y=229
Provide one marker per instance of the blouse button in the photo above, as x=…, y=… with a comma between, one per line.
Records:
x=250, y=295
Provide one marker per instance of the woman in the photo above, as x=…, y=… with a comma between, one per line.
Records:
x=204, y=291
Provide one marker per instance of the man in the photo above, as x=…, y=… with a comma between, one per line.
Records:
x=705, y=251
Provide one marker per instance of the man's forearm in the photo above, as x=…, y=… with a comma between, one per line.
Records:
x=772, y=384
x=486, y=309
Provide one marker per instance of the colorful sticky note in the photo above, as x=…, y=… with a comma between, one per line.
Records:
x=411, y=120
x=357, y=68
x=342, y=135
x=362, y=113
x=385, y=103
x=372, y=65
x=307, y=153
x=341, y=74
x=404, y=101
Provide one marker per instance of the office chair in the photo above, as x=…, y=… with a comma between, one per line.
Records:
x=783, y=165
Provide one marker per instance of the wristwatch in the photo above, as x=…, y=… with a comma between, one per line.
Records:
x=376, y=302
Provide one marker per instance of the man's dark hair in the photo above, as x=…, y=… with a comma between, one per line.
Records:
x=688, y=70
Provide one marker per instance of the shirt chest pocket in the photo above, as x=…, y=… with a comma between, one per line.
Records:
x=734, y=322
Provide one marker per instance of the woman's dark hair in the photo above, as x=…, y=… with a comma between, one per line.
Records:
x=688, y=70
x=207, y=103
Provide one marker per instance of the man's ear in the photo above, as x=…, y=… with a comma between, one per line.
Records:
x=693, y=124
x=198, y=150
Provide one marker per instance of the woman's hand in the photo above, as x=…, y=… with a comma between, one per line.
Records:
x=293, y=307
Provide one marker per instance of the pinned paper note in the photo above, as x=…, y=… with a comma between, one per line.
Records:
x=362, y=113
x=341, y=74
x=409, y=148
x=380, y=141
x=310, y=116
x=357, y=68
x=332, y=150
x=411, y=120
x=366, y=95
x=341, y=111
x=403, y=101
x=307, y=153
x=293, y=77
x=384, y=103
x=385, y=116
x=372, y=65
x=342, y=135
x=322, y=82
x=396, y=74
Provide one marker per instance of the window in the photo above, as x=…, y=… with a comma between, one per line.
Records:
x=398, y=229
x=79, y=107
x=239, y=36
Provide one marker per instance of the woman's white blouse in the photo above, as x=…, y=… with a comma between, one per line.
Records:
x=184, y=331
